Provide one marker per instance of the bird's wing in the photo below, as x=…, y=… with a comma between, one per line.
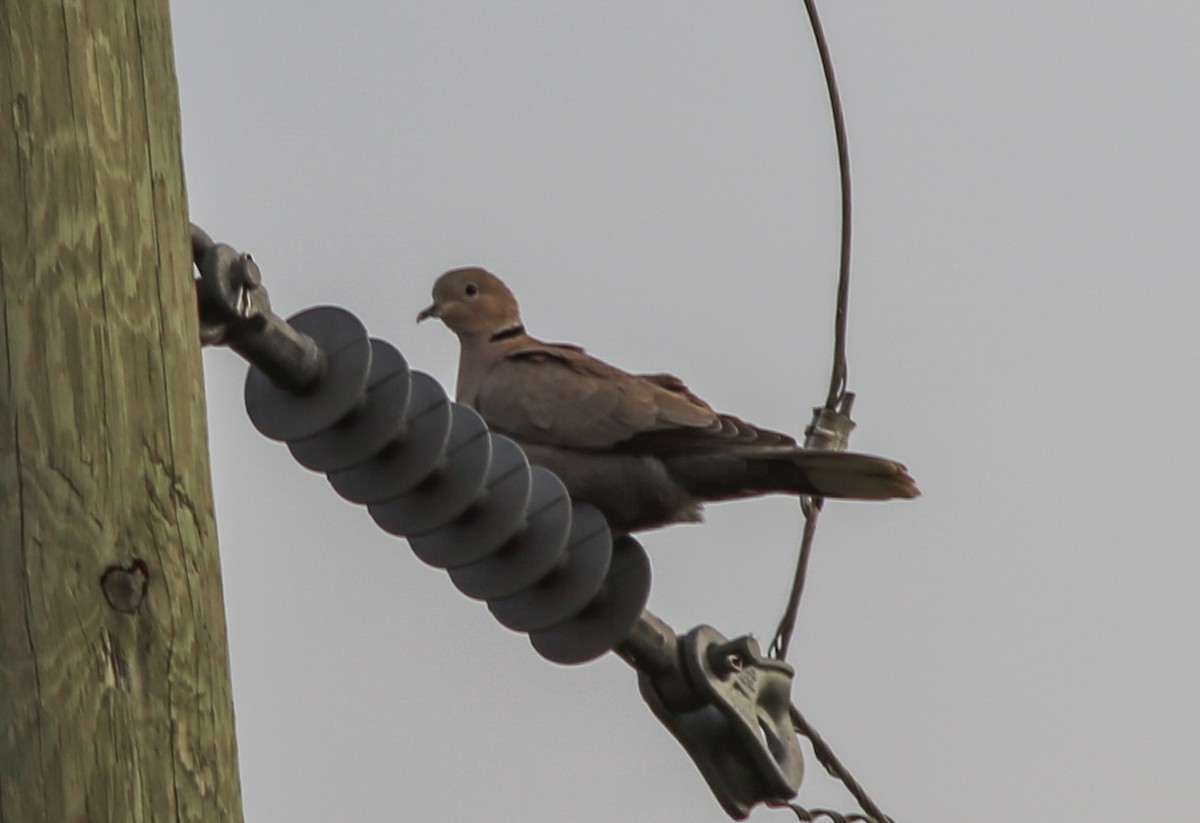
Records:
x=561, y=396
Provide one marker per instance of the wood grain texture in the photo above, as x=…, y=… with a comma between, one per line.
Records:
x=115, y=699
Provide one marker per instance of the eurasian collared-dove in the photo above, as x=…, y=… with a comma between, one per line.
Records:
x=640, y=447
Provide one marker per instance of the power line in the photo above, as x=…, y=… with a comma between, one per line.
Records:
x=831, y=424
x=830, y=428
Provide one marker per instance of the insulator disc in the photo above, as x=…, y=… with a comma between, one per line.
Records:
x=282, y=415
x=450, y=491
x=531, y=553
x=369, y=428
x=490, y=522
x=405, y=463
x=607, y=620
x=571, y=585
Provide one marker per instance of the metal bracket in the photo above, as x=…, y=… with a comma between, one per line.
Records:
x=727, y=705
x=235, y=311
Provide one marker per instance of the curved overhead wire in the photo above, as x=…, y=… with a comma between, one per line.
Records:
x=837, y=399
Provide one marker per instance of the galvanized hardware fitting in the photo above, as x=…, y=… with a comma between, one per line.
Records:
x=729, y=707
x=831, y=428
x=235, y=311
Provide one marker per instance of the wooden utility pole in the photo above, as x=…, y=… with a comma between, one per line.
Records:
x=114, y=678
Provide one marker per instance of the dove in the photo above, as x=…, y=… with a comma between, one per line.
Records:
x=642, y=448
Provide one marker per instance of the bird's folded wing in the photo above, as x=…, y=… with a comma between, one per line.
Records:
x=561, y=396
x=727, y=434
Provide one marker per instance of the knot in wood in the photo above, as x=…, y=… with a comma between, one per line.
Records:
x=125, y=585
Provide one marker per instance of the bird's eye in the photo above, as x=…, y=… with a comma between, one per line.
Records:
x=471, y=290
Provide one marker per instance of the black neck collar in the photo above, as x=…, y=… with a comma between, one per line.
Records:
x=504, y=334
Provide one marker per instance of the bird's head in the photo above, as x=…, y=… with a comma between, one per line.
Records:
x=473, y=302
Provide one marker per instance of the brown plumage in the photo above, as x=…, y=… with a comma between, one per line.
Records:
x=642, y=448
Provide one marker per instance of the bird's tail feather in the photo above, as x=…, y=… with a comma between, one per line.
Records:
x=845, y=475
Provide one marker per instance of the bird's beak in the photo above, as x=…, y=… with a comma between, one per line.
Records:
x=432, y=310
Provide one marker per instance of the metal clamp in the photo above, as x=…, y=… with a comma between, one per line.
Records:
x=235, y=311
x=727, y=705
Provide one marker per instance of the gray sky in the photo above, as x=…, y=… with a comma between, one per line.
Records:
x=656, y=181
